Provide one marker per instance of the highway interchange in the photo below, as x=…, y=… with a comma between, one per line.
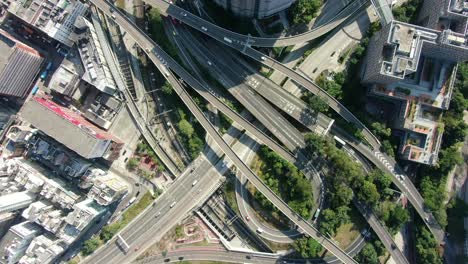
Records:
x=183, y=184
x=154, y=51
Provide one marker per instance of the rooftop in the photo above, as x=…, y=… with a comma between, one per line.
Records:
x=67, y=127
x=19, y=64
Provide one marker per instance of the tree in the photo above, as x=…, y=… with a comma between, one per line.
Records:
x=186, y=128
x=303, y=11
x=368, y=193
x=398, y=217
x=426, y=247
x=341, y=195
x=307, y=247
x=328, y=223
x=317, y=104
x=167, y=88
x=195, y=146
x=109, y=231
x=90, y=245
x=368, y=255
x=381, y=130
x=449, y=158
x=455, y=130
x=132, y=163
x=381, y=179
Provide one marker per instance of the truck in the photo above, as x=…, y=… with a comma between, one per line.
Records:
x=131, y=201
x=339, y=140
x=316, y=215
x=44, y=75
x=228, y=40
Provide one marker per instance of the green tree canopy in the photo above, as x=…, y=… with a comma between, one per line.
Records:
x=303, y=11
x=307, y=247
x=185, y=128
x=368, y=255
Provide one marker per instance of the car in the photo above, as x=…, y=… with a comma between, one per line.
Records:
x=137, y=248
x=263, y=58
x=173, y=204
x=248, y=257
x=181, y=258
x=333, y=53
x=167, y=260
x=247, y=218
x=209, y=63
x=183, y=14
x=393, y=246
x=194, y=182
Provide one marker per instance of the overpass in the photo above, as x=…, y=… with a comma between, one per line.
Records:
x=162, y=62
x=247, y=40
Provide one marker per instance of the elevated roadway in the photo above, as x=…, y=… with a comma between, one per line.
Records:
x=246, y=40
x=161, y=59
x=381, y=160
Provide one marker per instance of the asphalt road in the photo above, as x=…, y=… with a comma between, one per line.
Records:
x=161, y=59
x=342, y=16
x=280, y=127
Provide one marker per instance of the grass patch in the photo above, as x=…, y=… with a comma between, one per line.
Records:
x=120, y=4
x=110, y=230
x=230, y=193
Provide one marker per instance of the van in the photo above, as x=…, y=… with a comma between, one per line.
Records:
x=113, y=16
x=194, y=182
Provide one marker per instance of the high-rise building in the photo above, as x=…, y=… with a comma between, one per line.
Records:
x=416, y=66
x=255, y=8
